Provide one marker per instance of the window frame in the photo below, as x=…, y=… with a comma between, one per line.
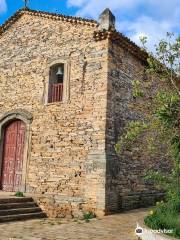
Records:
x=66, y=81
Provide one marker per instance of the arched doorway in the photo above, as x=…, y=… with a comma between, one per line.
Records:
x=13, y=154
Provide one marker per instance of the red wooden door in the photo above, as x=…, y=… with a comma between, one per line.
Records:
x=13, y=152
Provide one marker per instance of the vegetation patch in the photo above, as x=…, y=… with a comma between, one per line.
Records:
x=166, y=215
x=88, y=216
x=19, y=194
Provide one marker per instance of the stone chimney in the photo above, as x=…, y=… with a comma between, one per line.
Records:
x=107, y=20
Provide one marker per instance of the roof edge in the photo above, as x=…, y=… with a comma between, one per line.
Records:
x=124, y=41
x=58, y=16
x=55, y=16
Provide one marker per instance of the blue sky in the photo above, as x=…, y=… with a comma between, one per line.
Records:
x=152, y=18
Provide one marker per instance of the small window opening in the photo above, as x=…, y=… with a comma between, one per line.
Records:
x=56, y=80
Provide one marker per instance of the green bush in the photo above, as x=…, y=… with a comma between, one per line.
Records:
x=165, y=216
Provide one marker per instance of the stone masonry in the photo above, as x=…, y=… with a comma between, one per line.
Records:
x=71, y=166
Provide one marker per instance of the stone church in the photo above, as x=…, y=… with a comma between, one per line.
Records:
x=65, y=89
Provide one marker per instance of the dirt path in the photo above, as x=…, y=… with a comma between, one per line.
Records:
x=113, y=227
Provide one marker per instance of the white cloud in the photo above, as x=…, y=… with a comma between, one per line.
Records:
x=3, y=6
x=152, y=18
x=163, y=7
x=77, y=3
x=145, y=26
x=92, y=8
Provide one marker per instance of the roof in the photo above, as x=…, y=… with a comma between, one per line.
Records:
x=112, y=34
x=123, y=41
x=53, y=16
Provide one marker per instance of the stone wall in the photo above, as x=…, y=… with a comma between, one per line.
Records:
x=126, y=187
x=66, y=163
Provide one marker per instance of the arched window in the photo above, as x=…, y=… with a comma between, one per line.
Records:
x=56, y=82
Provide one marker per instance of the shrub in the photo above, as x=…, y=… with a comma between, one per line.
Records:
x=19, y=194
x=88, y=216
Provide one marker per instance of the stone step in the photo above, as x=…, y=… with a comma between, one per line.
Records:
x=17, y=205
x=16, y=200
x=19, y=211
x=22, y=217
x=19, y=208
